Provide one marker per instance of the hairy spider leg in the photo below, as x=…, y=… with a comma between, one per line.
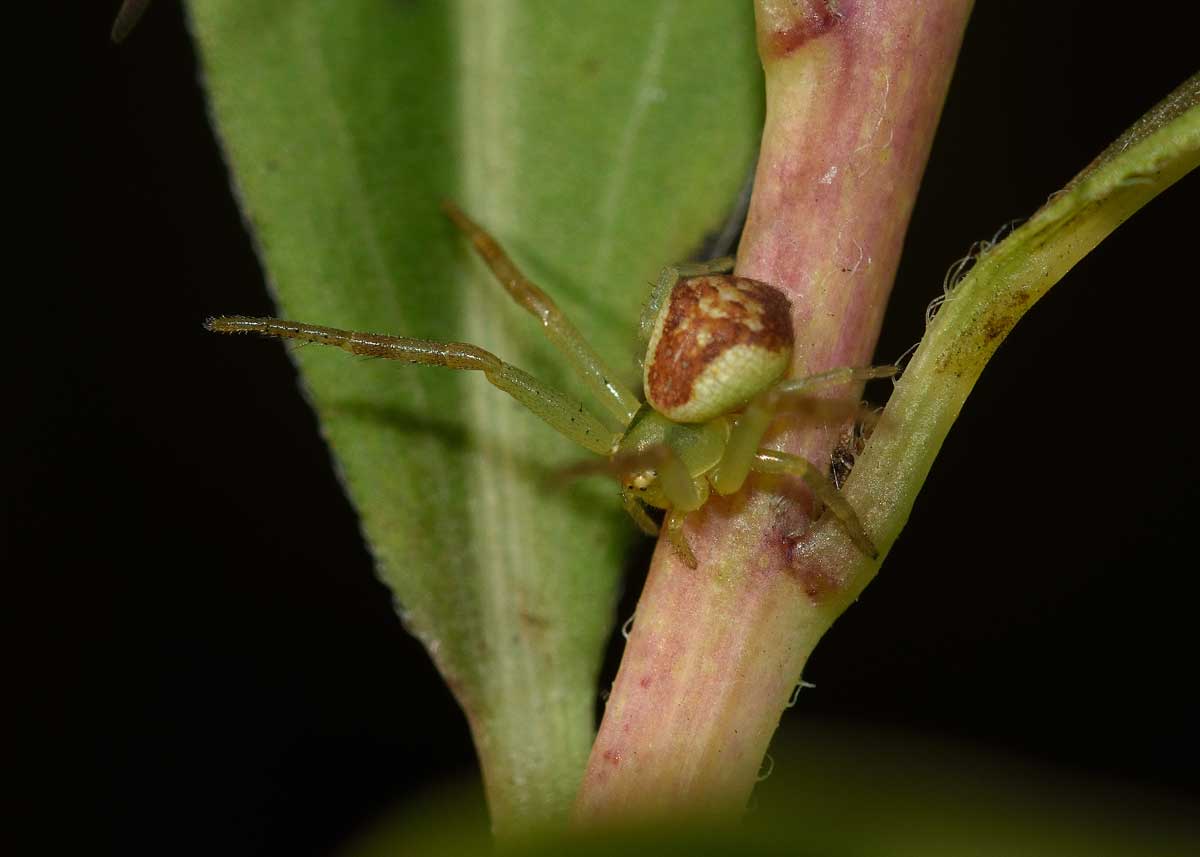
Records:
x=685, y=494
x=753, y=422
x=588, y=365
x=783, y=464
x=674, y=524
x=638, y=512
x=561, y=412
x=841, y=375
x=671, y=275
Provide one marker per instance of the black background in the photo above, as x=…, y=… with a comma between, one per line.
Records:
x=201, y=633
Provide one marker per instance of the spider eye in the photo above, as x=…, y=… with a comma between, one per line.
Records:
x=641, y=481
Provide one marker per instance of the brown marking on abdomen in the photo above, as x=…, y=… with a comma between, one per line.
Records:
x=681, y=356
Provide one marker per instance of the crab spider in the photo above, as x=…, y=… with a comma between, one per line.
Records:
x=717, y=347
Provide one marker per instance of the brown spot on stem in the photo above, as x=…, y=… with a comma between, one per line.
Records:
x=646, y=681
x=998, y=323
x=981, y=341
x=819, y=581
x=787, y=25
x=994, y=328
x=613, y=757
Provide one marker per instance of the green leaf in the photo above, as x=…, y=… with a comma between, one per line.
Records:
x=1005, y=281
x=598, y=141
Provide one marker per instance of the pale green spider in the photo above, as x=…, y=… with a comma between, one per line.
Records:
x=716, y=347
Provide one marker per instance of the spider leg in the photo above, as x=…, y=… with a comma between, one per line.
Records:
x=780, y=463
x=588, y=365
x=684, y=492
x=674, y=523
x=833, y=377
x=753, y=422
x=747, y=433
x=638, y=512
x=561, y=412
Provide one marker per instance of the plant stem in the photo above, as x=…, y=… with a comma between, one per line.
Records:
x=854, y=90
x=1006, y=280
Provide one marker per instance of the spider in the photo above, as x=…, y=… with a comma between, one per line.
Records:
x=717, y=347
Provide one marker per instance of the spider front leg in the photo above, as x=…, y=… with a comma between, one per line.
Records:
x=563, y=335
x=638, y=512
x=561, y=412
x=783, y=464
x=832, y=377
x=674, y=524
x=752, y=424
x=686, y=494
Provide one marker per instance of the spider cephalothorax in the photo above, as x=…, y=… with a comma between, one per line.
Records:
x=716, y=345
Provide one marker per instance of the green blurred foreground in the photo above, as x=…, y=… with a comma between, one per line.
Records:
x=836, y=791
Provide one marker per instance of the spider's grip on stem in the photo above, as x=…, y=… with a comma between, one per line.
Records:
x=770, y=461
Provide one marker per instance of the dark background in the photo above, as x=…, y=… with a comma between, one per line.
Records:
x=210, y=652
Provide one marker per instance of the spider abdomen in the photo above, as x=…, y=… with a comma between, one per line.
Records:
x=718, y=340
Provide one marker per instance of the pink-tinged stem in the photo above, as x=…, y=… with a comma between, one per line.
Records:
x=854, y=90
